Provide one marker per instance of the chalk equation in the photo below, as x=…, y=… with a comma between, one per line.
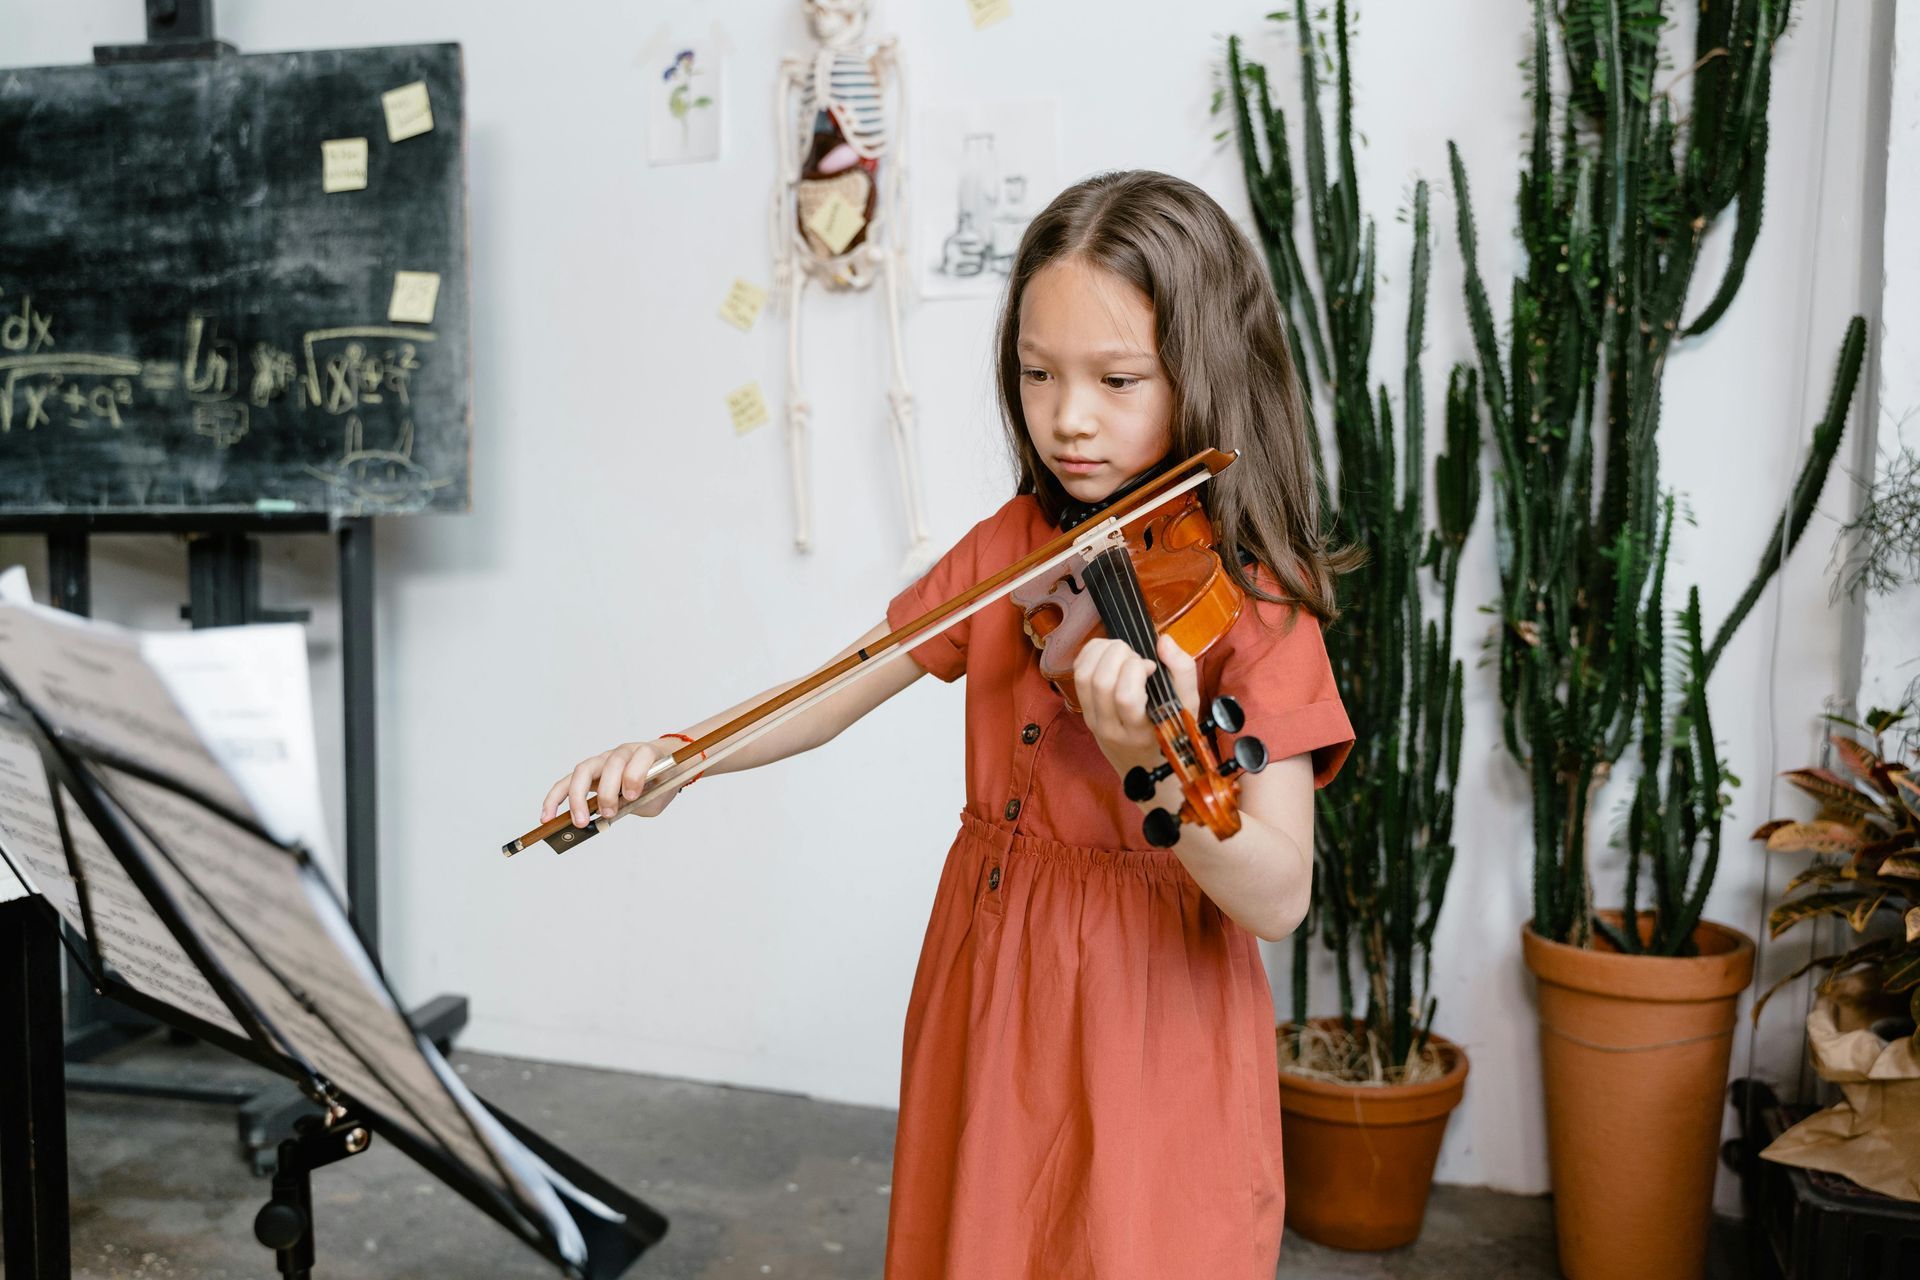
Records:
x=219, y=387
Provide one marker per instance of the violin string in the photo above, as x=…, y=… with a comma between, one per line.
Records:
x=1132, y=601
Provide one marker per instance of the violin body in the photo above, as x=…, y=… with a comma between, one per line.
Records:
x=1188, y=594
x=1157, y=575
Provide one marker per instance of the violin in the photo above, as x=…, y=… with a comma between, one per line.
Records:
x=1157, y=575
x=1183, y=590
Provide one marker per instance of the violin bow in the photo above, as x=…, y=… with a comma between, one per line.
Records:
x=749, y=725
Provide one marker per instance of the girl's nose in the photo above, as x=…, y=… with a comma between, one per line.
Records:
x=1077, y=418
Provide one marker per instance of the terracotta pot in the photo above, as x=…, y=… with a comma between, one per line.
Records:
x=1359, y=1158
x=1633, y=1050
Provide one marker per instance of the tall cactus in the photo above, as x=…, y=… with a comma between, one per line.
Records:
x=1615, y=201
x=1383, y=842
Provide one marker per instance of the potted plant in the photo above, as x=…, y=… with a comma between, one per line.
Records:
x=1865, y=1025
x=1365, y=1099
x=1621, y=186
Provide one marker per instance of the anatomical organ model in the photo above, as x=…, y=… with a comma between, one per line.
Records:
x=838, y=221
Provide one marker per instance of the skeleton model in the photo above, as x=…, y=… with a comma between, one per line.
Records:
x=840, y=140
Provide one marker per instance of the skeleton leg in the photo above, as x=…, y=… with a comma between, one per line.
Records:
x=798, y=413
x=920, y=549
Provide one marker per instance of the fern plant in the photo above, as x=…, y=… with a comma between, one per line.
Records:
x=1621, y=186
x=1383, y=840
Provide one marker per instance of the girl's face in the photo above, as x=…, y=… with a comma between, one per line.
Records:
x=1098, y=405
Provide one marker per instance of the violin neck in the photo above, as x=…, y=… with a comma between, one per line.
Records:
x=1116, y=593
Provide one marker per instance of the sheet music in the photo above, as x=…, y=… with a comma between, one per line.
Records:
x=245, y=691
x=91, y=678
x=254, y=892
x=227, y=713
x=11, y=886
x=133, y=940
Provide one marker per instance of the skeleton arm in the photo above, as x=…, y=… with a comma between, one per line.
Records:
x=781, y=217
x=894, y=203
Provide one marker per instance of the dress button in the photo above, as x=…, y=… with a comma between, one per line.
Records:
x=1030, y=734
x=1013, y=810
x=993, y=878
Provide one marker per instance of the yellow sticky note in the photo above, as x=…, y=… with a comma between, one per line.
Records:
x=748, y=408
x=987, y=12
x=409, y=113
x=743, y=304
x=836, y=222
x=414, y=295
x=343, y=164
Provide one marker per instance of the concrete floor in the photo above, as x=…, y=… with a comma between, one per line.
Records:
x=756, y=1184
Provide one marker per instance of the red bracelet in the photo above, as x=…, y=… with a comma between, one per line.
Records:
x=703, y=755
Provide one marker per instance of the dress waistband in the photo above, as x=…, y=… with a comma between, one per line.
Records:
x=1149, y=862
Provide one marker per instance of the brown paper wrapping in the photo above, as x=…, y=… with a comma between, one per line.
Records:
x=1873, y=1134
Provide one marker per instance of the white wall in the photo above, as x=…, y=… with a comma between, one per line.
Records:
x=626, y=569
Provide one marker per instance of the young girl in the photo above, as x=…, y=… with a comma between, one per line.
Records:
x=1089, y=1086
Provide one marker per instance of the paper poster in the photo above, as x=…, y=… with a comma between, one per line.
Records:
x=742, y=305
x=987, y=12
x=343, y=164
x=748, y=408
x=409, y=111
x=981, y=172
x=683, y=103
x=836, y=223
x=414, y=296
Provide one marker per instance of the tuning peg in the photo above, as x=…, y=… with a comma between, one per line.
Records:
x=1162, y=829
x=1141, y=782
x=1223, y=713
x=1250, y=754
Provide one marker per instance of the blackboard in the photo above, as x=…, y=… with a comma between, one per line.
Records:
x=190, y=323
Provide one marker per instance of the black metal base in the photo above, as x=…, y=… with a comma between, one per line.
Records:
x=33, y=1114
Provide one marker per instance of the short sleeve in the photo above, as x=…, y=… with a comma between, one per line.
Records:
x=969, y=560
x=1275, y=666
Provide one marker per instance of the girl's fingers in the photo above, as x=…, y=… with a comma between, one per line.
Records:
x=577, y=789
x=609, y=785
x=551, y=805
x=1185, y=673
x=634, y=780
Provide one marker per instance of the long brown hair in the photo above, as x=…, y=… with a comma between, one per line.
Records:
x=1234, y=385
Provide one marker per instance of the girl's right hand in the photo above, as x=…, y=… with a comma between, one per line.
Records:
x=618, y=775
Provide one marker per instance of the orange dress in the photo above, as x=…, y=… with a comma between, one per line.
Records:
x=1089, y=1086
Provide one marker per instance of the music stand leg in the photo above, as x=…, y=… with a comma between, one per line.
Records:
x=33, y=1120
x=285, y=1223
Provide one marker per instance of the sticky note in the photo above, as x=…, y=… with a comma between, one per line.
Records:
x=408, y=111
x=987, y=12
x=743, y=304
x=748, y=408
x=414, y=293
x=836, y=222
x=343, y=164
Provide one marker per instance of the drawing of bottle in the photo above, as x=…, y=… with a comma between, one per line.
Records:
x=1009, y=224
x=965, y=251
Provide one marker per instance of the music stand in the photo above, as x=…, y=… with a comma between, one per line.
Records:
x=178, y=901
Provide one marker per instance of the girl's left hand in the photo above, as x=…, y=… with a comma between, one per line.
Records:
x=1111, y=681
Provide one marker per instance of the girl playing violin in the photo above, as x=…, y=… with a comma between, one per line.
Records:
x=1089, y=1084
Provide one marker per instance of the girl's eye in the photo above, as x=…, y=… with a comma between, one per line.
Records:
x=1124, y=382
x=1033, y=375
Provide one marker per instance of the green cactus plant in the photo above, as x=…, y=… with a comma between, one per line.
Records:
x=1619, y=192
x=1383, y=839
